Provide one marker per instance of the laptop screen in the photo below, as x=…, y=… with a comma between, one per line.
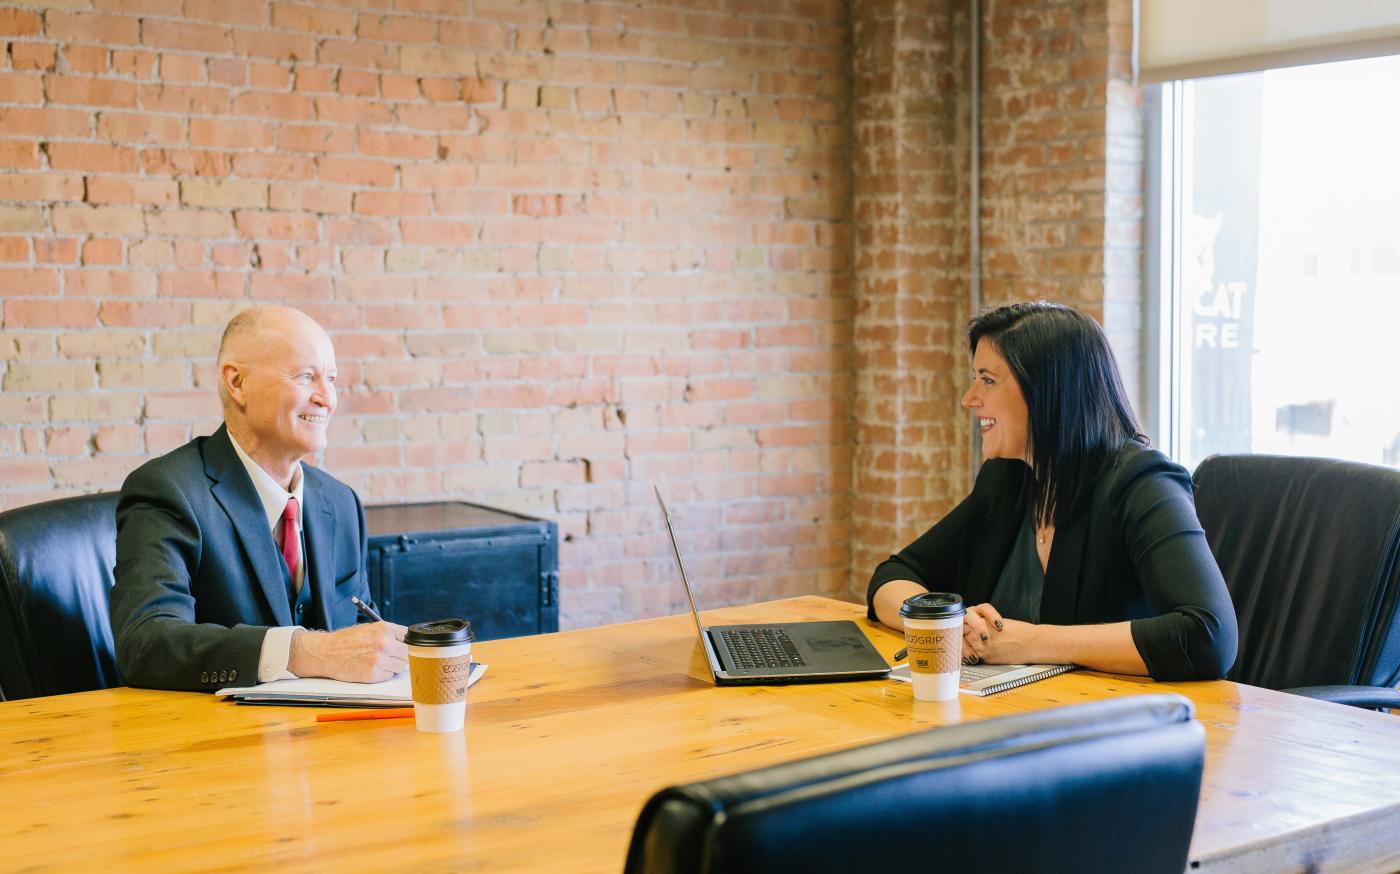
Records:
x=690, y=595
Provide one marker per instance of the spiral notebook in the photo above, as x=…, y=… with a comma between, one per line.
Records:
x=317, y=692
x=984, y=680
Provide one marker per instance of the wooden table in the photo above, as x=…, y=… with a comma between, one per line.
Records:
x=566, y=737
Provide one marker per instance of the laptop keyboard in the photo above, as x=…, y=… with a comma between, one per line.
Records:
x=761, y=648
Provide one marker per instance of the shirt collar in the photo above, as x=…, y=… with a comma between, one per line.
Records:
x=270, y=492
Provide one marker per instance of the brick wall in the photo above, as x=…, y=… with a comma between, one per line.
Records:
x=563, y=250
x=911, y=117
x=1061, y=214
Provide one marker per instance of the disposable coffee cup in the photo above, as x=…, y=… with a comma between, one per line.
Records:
x=933, y=625
x=439, y=665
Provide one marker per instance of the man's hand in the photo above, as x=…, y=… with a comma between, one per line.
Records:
x=368, y=653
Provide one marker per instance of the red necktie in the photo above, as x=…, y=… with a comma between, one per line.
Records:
x=291, y=542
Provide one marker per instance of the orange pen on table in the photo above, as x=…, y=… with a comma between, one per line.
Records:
x=382, y=713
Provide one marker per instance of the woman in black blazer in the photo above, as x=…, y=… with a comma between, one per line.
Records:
x=1079, y=544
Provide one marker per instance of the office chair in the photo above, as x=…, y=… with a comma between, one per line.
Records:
x=1110, y=786
x=56, y=562
x=1310, y=550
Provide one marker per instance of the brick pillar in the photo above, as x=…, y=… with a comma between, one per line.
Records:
x=911, y=125
x=1061, y=219
x=1062, y=162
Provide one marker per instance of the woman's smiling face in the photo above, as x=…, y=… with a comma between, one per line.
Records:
x=995, y=398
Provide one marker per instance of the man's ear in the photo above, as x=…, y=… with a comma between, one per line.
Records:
x=232, y=374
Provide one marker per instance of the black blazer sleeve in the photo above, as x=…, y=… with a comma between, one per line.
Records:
x=159, y=641
x=1193, y=635
x=942, y=559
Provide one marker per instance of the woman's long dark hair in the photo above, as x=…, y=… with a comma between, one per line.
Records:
x=1079, y=415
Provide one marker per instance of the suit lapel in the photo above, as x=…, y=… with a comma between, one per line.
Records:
x=320, y=535
x=234, y=491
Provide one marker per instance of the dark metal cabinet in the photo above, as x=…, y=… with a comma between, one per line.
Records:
x=499, y=570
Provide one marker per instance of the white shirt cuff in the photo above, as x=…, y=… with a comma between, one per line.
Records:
x=276, y=652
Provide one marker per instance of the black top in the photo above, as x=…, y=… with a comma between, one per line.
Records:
x=1137, y=552
x=1022, y=581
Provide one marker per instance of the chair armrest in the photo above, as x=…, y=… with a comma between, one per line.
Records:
x=1372, y=697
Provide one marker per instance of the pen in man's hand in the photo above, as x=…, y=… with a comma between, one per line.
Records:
x=366, y=609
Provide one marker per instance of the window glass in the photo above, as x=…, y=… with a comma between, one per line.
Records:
x=1282, y=246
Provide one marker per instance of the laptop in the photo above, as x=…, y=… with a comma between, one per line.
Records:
x=784, y=652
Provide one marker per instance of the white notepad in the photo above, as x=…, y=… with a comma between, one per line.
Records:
x=318, y=692
x=984, y=680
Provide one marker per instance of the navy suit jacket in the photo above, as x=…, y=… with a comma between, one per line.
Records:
x=199, y=578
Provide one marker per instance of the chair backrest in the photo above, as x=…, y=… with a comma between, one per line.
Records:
x=1107, y=786
x=56, y=561
x=1310, y=550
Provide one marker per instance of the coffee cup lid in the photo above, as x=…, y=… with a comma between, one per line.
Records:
x=933, y=605
x=440, y=632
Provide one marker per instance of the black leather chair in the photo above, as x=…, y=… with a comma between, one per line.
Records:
x=1310, y=550
x=56, y=561
x=1110, y=786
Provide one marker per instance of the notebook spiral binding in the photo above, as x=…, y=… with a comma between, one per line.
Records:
x=1021, y=681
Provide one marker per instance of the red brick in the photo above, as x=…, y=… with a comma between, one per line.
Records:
x=40, y=186
x=221, y=284
x=273, y=45
x=107, y=189
x=114, y=220
x=24, y=472
x=273, y=166
x=314, y=79
x=21, y=154
x=118, y=439
x=230, y=133
x=252, y=15
x=356, y=171
x=108, y=283
x=321, y=22
x=50, y=314
x=311, y=198
x=275, y=226
x=184, y=36
x=264, y=104
x=291, y=287
x=185, y=99
x=116, y=314
x=33, y=56
x=89, y=60
x=189, y=222
x=392, y=203
x=14, y=248
x=397, y=145
x=183, y=162
x=19, y=22
x=138, y=65
x=128, y=127
x=45, y=122
x=21, y=88
x=315, y=138
x=340, y=458
x=100, y=251
x=95, y=157
x=86, y=91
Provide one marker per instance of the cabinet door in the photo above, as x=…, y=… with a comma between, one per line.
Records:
x=496, y=587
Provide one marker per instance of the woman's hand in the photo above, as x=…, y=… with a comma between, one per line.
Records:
x=987, y=637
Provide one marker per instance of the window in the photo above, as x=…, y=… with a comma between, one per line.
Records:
x=1277, y=271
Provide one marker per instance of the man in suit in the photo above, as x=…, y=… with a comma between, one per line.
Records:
x=235, y=561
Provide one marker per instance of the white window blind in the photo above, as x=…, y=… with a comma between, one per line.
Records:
x=1188, y=39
